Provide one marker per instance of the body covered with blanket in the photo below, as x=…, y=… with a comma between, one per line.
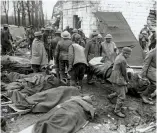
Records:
x=43, y=101
x=67, y=117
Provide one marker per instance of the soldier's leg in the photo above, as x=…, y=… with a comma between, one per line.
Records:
x=66, y=68
x=121, y=95
x=62, y=69
x=81, y=73
x=72, y=74
x=90, y=76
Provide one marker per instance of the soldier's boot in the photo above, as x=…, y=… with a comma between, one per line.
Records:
x=118, y=108
x=90, y=79
x=145, y=100
x=81, y=85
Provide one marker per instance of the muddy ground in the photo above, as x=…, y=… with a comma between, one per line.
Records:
x=137, y=113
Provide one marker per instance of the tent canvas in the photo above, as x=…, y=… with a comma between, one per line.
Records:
x=114, y=23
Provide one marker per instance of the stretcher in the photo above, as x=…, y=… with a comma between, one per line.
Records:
x=99, y=68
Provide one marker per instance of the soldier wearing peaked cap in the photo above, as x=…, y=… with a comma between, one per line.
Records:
x=39, y=55
x=119, y=80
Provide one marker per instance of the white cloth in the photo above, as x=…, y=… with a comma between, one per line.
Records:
x=96, y=61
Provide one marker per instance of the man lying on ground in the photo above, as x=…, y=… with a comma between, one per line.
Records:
x=67, y=117
x=30, y=84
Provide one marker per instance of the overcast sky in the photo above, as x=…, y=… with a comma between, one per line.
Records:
x=47, y=7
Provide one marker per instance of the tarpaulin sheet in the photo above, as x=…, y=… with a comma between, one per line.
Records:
x=29, y=86
x=67, y=117
x=45, y=100
x=114, y=23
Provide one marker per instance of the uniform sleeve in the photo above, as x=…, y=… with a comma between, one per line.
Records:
x=123, y=70
x=147, y=62
x=71, y=56
x=115, y=48
x=114, y=45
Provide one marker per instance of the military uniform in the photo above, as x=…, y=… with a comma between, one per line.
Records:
x=30, y=37
x=53, y=46
x=5, y=41
x=46, y=40
x=92, y=49
x=77, y=64
x=61, y=56
x=143, y=39
x=149, y=69
x=152, y=41
x=119, y=81
x=39, y=55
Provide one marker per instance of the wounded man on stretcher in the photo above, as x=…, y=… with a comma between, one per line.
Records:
x=137, y=86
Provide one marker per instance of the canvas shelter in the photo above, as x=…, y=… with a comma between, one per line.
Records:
x=114, y=23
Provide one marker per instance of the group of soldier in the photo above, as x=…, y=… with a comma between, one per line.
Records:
x=72, y=51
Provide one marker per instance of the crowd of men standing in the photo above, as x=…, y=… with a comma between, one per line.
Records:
x=72, y=51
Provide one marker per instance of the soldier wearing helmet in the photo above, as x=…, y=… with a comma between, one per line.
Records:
x=109, y=49
x=61, y=54
x=79, y=40
x=77, y=62
x=80, y=32
x=92, y=49
x=74, y=32
x=6, y=39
